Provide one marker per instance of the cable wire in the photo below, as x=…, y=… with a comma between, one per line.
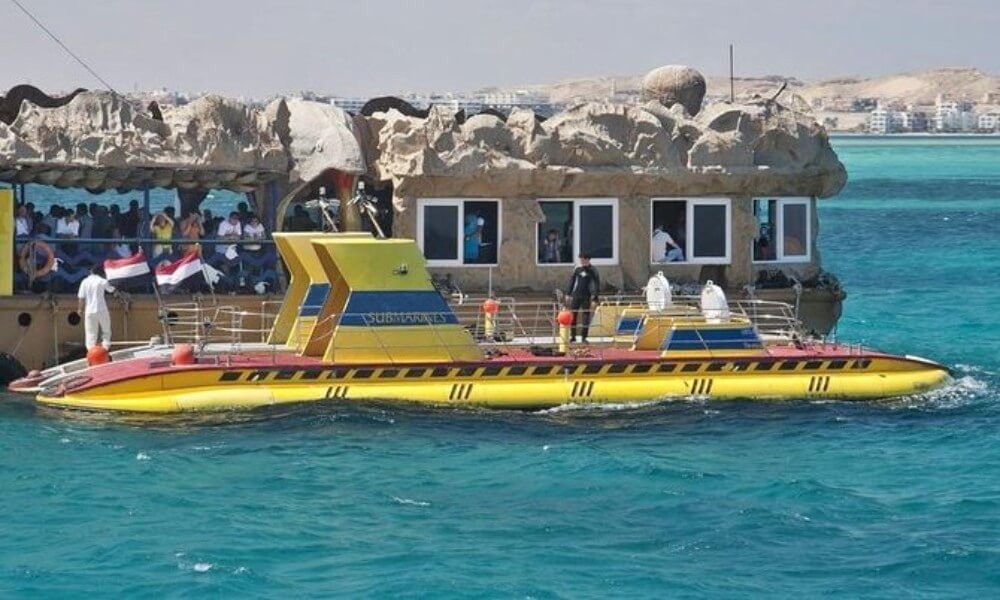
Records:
x=56, y=39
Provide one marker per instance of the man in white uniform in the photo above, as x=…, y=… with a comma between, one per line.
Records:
x=96, y=318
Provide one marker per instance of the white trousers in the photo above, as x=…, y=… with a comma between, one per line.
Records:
x=97, y=323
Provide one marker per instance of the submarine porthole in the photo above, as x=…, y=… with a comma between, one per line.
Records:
x=73, y=318
x=24, y=319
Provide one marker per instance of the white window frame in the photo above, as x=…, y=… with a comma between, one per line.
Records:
x=460, y=234
x=576, y=204
x=689, y=204
x=779, y=235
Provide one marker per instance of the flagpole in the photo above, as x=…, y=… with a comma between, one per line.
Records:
x=161, y=311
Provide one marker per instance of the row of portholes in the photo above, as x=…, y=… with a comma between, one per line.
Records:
x=24, y=319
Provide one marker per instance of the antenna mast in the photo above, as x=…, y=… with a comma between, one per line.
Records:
x=732, y=85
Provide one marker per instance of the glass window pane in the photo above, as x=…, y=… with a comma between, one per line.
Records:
x=795, y=224
x=709, y=231
x=597, y=234
x=555, y=235
x=441, y=232
x=481, y=232
x=764, y=242
x=668, y=238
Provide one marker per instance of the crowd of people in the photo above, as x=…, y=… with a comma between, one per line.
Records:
x=73, y=240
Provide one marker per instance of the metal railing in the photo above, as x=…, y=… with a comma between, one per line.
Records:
x=525, y=326
x=59, y=264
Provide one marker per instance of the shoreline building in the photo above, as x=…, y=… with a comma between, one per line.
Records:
x=886, y=120
x=989, y=121
x=953, y=116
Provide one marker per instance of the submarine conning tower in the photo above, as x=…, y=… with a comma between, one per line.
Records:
x=355, y=299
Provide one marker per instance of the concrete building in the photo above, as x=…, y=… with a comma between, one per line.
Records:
x=953, y=116
x=989, y=121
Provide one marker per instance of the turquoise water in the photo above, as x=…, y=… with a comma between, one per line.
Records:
x=733, y=500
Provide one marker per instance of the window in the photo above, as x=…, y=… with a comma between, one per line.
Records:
x=573, y=227
x=697, y=230
x=783, y=229
x=453, y=232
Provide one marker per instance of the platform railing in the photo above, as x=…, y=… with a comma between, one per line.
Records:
x=528, y=326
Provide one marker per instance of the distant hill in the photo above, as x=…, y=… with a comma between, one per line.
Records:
x=906, y=88
x=910, y=88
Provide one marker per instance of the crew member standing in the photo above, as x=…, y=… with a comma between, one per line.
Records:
x=96, y=318
x=583, y=289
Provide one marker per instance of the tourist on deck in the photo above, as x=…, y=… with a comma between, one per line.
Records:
x=91, y=304
x=120, y=249
x=42, y=232
x=210, y=222
x=103, y=223
x=68, y=227
x=192, y=230
x=115, y=213
x=162, y=230
x=128, y=223
x=254, y=231
x=244, y=209
x=229, y=230
x=22, y=222
x=52, y=219
x=584, y=287
x=552, y=248
x=86, y=221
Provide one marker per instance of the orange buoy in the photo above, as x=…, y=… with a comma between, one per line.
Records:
x=97, y=355
x=491, y=306
x=565, y=318
x=183, y=354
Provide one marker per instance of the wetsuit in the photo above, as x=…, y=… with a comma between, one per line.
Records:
x=583, y=288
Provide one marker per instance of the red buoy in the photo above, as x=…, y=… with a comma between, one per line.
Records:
x=491, y=306
x=183, y=354
x=98, y=355
x=565, y=318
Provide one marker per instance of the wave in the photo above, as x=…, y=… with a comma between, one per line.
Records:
x=959, y=393
x=410, y=501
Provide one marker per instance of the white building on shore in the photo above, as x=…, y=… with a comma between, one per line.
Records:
x=989, y=121
x=885, y=120
x=953, y=116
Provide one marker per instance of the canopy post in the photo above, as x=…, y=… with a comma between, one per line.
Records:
x=145, y=220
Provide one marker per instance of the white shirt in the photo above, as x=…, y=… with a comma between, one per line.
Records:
x=227, y=229
x=254, y=232
x=22, y=226
x=92, y=290
x=658, y=245
x=64, y=227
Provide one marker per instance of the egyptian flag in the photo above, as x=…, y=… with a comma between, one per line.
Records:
x=184, y=273
x=128, y=273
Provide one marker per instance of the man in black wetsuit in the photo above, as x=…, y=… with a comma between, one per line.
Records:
x=583, y=289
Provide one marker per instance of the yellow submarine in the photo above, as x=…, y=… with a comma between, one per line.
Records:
x=361, y=321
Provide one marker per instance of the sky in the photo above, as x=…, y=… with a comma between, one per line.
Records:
x=257, y=48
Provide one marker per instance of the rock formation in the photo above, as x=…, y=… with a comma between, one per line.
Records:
x=596, y=149
x=675, y=84
x=99, y=140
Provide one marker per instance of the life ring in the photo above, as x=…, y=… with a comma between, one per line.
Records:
x=27, y=264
